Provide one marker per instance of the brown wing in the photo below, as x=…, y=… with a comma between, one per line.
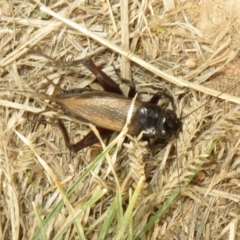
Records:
x=103, y=109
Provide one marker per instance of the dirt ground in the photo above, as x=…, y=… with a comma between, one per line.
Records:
x=185, y=189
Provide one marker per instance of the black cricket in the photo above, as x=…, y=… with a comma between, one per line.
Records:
x=108, y=110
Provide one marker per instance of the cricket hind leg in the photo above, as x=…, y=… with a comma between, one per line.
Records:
x=87, y=141
x=104, y=80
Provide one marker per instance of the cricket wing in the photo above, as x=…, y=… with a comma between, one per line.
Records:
x=103, y=109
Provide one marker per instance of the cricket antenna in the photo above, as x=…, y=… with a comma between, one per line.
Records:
x=227, y=90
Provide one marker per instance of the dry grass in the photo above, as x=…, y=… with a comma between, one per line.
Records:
x=127, y=190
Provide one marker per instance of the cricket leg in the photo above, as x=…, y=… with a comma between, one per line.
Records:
x=87, y=141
